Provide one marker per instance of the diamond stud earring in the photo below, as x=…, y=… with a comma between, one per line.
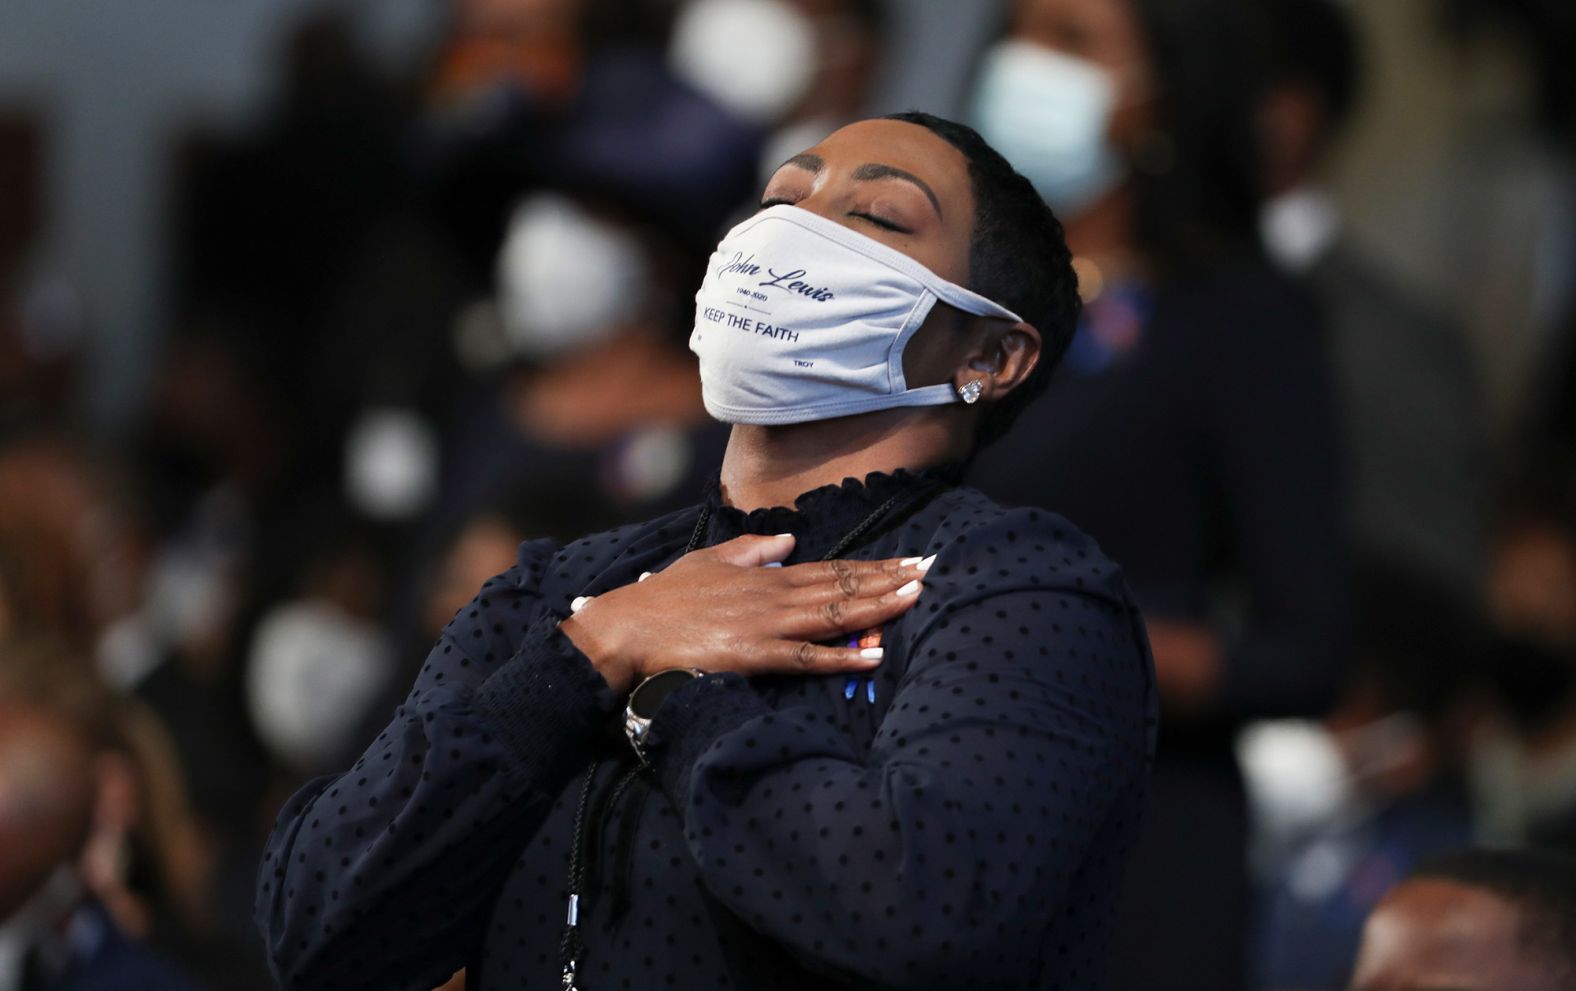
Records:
x=971, y=392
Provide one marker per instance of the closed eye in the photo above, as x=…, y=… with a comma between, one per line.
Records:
x=871, y=218
x=881, y=222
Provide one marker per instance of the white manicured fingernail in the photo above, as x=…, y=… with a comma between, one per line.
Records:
x=911, y=589
x=772, y=564
x=927, y=562
x=909, y=562
x=789, y=535
x=643, y=576
x=872, y=653
x=578, y=603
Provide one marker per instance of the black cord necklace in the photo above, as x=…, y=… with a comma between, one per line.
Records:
x=571, y=948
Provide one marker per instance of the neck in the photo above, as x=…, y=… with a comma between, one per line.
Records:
x=771, y=466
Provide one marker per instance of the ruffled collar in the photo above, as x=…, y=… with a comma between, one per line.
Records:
x=821, y=517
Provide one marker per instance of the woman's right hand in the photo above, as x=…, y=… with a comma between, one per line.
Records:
x=719, y=609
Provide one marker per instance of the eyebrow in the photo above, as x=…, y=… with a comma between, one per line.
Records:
x=869, y=172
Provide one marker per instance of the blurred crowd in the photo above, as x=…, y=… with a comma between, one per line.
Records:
x=415, y=317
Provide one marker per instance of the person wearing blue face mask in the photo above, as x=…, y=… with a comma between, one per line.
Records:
x=846, y=722
x=1190, y=429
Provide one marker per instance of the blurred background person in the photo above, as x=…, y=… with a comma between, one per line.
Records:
x=1346, y=806
x=1196, y=402
x=79, y=566
x=1477, y=918
x=581, y=95
x=1407, y=387
x=1525, y=756
x=320, y=658
x=99, y=859
x=812, y=68
x=597, y=399
x=1467, y=128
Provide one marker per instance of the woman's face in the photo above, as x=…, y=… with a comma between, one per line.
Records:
x=1107, y=33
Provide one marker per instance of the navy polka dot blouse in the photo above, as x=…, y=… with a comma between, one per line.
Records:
x=957, y=819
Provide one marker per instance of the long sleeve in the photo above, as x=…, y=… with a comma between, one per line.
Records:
x=1279, y=469
x=381, y=877
x=1012, y=759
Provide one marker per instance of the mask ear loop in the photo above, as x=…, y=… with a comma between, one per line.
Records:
x=897, y=381
x=969, y=394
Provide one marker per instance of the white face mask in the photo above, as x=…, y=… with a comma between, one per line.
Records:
x=761, y=87
x=313, y=671
x=566, y=278
x=800, y=319
x=1047, y=113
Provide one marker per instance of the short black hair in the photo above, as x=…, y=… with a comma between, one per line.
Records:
x=1541, y=884
x=1018, y=257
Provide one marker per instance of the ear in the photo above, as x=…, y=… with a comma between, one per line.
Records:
x=1001, y=362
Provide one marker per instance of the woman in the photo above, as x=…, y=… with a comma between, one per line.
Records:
x=1196, y=402
x=912, y=756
